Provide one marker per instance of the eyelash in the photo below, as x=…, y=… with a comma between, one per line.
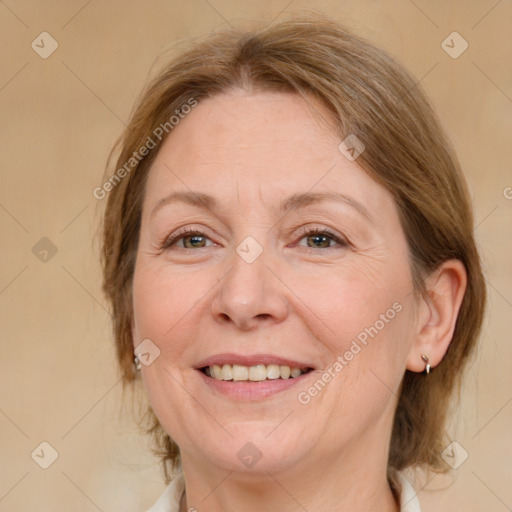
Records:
x=186, y=232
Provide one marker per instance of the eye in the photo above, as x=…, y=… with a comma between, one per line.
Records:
x=191, y=238
x=321, y=238
x=317, y=238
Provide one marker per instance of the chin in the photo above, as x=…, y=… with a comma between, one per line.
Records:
x=252, y=451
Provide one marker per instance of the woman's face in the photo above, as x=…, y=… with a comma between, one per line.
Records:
x=250, y=284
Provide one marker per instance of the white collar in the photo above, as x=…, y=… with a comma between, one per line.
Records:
x=169, y=501
x=409, y=501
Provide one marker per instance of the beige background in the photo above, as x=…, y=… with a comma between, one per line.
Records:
x=61, y=115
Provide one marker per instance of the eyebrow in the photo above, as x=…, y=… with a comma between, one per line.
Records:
x=294, y=202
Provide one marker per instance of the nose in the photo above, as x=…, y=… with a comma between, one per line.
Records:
x=250, y=294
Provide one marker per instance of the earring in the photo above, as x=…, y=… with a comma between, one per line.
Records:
x=427, y=365
x=136, y=362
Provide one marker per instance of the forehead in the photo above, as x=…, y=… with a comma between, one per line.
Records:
x=263, y=145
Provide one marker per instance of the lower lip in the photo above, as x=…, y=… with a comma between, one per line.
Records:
x=251, y=390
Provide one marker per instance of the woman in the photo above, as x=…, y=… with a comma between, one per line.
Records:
x=289, y=254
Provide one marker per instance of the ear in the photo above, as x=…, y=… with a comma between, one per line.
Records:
x=134, y=332
x=437, y=316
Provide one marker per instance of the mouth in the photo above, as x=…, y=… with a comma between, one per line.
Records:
x=256, y=373
x=251, y=377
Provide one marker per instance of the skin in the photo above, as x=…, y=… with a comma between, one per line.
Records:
x=302, y=298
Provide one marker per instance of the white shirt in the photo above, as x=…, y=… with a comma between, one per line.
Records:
x=169, y=501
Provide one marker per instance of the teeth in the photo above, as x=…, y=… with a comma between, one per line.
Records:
x=258, y=372
x=217, y=371
x=240, y=372
x=273, y=371
x=252, y=373
x=227, y=372
x=295, y=372
x=285, y=372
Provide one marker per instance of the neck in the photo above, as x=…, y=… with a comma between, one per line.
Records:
x=356, y=484
x=273, y=494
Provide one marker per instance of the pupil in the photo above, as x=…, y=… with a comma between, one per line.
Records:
x=193, y=239
x=322, y=239
x=317, y=237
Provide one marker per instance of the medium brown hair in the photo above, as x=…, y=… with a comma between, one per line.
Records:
x=406, y=150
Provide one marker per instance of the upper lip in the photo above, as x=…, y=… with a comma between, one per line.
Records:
x=250, y=360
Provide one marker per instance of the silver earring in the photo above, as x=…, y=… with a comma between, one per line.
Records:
x=136, y=362
x=427, y=365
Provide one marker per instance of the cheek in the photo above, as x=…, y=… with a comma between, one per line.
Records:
x=148, y=301
x=357, y=300
x=163, y=304
x=364, y=324
x=149, y=296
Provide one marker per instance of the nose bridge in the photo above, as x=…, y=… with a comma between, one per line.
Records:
x=250, y=293
x=247, y=278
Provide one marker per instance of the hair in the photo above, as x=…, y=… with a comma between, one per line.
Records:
x=370, y=95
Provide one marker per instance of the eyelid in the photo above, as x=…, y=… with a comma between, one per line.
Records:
x=180, y=233
x=308, y=230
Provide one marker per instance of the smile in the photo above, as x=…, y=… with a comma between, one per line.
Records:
x=251, y=376
x=260, y=372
